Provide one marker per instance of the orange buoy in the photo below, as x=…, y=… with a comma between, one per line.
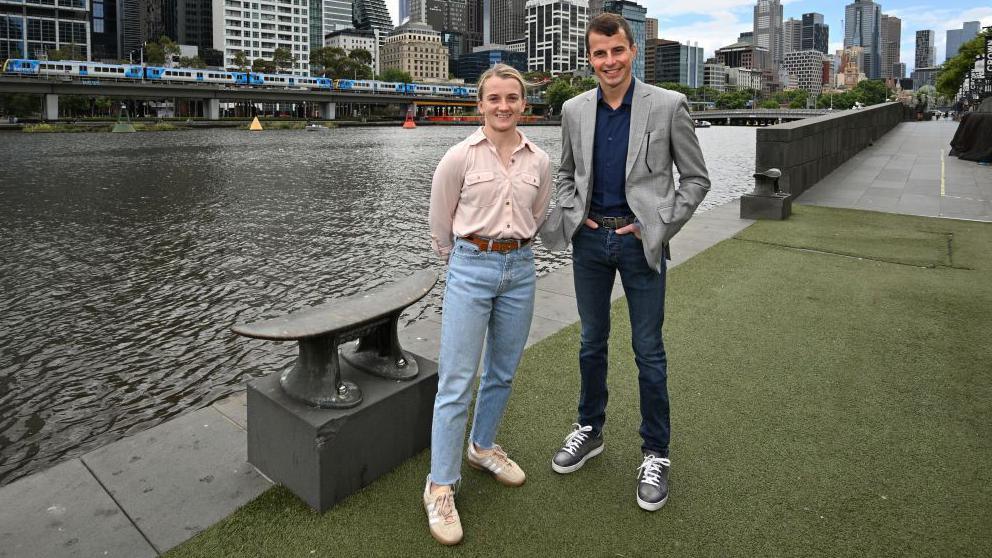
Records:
x=409, y=123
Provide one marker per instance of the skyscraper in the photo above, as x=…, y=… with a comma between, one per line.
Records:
x=508, y=20
x=634, y=14
x=815, y=34
x=768, y=29
x=556, y=35
x=891, y=40
x=650, y=28
x=926, y=52
x=862, y=28
x=371, y=14
x=792, y=32
x=958, y=37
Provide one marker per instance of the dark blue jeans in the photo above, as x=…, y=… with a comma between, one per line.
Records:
x=597, y=254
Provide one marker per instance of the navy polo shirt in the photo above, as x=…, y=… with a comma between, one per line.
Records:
x=609, y=156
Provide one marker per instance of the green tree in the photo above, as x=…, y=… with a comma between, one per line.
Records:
x=395, y=74
x=925, y=98
x=584, y=84
x=241, y=60
x=558, y=92
x=67, y=52
x=20, y=105
x=362, y=56
x=282, y=59
x=770, y=104
x=680, y=87
x=263, y=66
x=194, y=62
x=327, y=61
x=952, y=74
x=735, y=99
x=871, y=92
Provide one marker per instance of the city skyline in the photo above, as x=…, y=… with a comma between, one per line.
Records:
x=716, y=23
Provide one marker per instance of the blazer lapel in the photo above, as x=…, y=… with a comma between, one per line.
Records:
x=587, y=129
x=639, y=111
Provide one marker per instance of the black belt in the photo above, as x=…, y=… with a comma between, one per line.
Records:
x=613, y=222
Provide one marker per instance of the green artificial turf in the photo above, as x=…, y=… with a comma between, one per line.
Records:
x=822, y=405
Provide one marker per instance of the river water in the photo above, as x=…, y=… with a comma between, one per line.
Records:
x=126, y=258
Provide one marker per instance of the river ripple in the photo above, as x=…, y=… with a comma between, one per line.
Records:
x=126, y=258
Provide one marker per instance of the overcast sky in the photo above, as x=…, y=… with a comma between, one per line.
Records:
x=716, y=23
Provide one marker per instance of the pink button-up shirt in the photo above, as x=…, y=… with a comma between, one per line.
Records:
x=473, y=193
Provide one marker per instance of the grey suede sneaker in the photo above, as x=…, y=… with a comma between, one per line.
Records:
x=579, y=446
x=652, y=482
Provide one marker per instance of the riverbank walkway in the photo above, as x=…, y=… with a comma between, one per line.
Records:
x=150, y=492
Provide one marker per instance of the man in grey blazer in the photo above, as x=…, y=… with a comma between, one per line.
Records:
x=618, y=206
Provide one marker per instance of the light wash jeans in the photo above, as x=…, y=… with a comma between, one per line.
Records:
x=489, y=297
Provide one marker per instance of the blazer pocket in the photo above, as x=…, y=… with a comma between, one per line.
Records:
x=667, y=213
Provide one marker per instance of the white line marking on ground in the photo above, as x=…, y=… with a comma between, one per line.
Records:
x=942, y=173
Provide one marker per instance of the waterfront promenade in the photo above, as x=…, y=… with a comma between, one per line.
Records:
x=147, y=493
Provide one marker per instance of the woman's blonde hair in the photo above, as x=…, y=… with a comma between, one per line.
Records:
x=505, y=72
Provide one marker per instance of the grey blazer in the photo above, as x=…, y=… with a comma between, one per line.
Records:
x=661, y=133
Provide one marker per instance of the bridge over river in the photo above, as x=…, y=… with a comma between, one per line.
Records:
x=756, y=117
x=211, y=95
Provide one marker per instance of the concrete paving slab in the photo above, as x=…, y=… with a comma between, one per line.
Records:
x=64, y=512
x=557, y=282
x=179, y=478
x=542, y=328
x=235, y=408
x=557, y=307
x=422, y=338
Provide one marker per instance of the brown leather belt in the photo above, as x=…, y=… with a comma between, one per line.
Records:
x=501, y=245
x=613, y=222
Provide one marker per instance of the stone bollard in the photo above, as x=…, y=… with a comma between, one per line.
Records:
x=766, y=201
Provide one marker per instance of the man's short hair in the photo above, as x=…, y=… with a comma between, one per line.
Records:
x=608, y=24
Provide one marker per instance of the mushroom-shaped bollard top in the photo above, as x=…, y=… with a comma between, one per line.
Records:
x=766, y=182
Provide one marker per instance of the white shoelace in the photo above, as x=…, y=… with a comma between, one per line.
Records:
x=576, y=437
x=651, y=466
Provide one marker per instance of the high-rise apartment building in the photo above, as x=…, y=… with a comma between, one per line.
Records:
x=862, y=28
x=635, y=15
x=31, y=29
x=792, y=33
x=807, y=68
x=473, y=24
x=556, y=35
x=768, y=29
x=650, y=28
x=891, y=33
x=327, y=16
x=258, y=29
x=746, y=37
x=958, y=37
x=926, y=52
x=371, y=14
x=650, y=46
x=815, y=34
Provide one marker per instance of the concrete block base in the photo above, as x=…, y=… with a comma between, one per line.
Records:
x=324, y=455
x=777, y=206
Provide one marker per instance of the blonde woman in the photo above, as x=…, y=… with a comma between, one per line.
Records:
x=488, y=199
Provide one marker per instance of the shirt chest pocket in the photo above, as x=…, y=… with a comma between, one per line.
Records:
x=480, y=189
x=525, y=189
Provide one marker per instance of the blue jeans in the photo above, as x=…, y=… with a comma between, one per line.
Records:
x=489, y=297
x=597, y=254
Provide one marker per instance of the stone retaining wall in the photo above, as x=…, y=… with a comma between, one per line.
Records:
x=810, y=149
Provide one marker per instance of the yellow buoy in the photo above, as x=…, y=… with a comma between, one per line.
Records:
x=256, y=126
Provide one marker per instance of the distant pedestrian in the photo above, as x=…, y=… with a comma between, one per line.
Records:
x=618, y=206
x=489, y=197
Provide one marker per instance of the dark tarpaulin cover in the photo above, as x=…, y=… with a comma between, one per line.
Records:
x=973, y=139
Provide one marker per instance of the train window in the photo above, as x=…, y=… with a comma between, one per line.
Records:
x=82, y=68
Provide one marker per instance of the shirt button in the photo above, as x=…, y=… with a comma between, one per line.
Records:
x=507, y=225
x=610, y=138
x=507, y=203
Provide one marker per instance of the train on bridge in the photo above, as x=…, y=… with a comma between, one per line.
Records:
x=140, y=72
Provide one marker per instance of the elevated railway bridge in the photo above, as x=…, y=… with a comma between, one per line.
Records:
x=755, y=117
x=206, y=98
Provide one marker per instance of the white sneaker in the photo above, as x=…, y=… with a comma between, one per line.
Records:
x=504, y=469
x=442, y=517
